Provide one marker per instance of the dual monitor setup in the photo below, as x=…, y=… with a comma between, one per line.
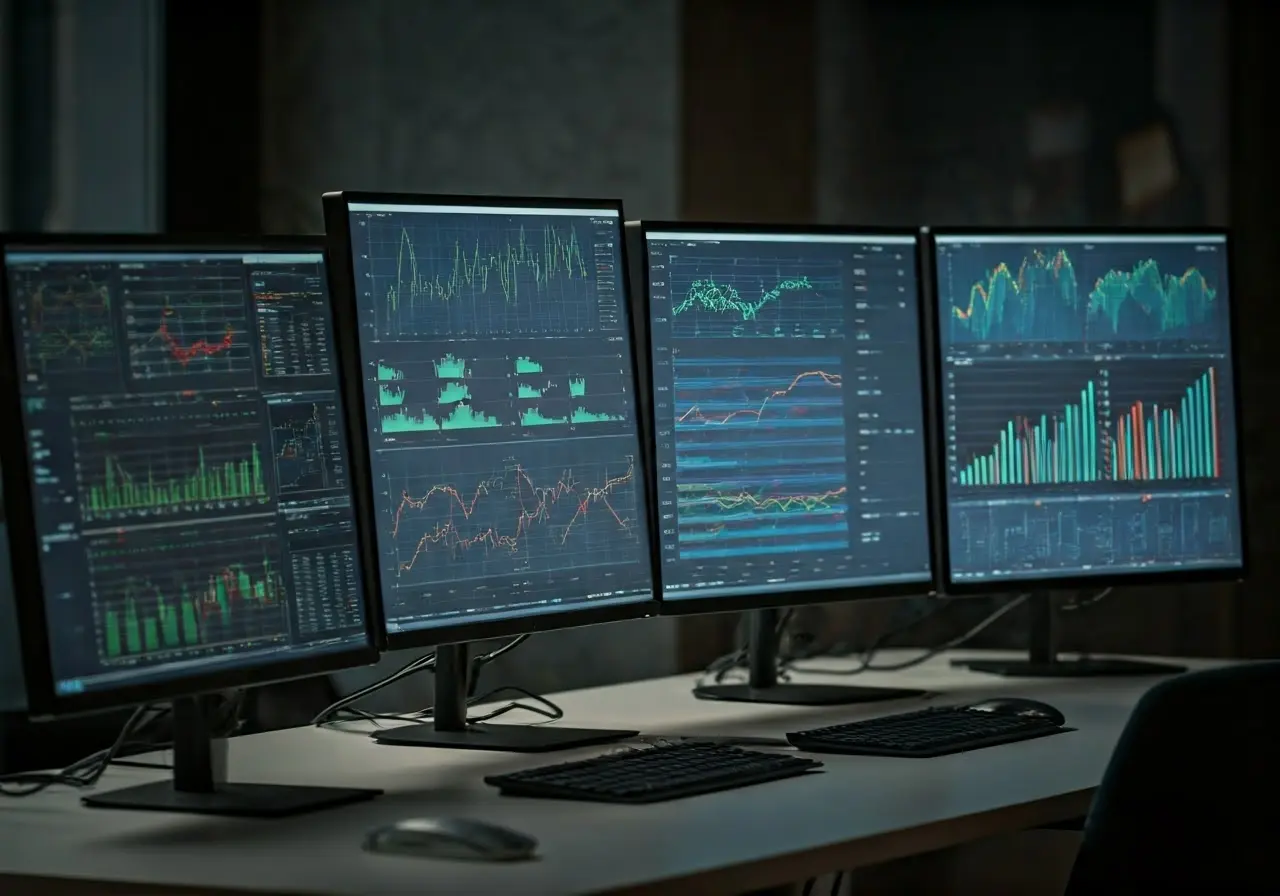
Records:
x=235, y=463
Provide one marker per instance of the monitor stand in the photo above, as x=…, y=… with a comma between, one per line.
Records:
x=1043, y=661
x=449, y=727
x=198, y=785
x=762, y=685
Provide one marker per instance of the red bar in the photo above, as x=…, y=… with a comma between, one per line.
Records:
x=1139, y=444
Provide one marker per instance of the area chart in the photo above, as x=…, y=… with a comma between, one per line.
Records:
x=1047, y=297
x=483, y=275
x=537, y=509
x=752, y=296
x=185, y=590
x=761, y=459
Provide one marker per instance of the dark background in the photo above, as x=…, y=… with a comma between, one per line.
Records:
x=235, y=116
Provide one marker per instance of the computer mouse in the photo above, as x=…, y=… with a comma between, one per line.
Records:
x=1021, y=706
x=451, y=838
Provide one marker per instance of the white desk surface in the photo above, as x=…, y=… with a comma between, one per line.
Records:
x=859, y=811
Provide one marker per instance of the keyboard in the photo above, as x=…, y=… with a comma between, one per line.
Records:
x=923, y=734
x=654, y=774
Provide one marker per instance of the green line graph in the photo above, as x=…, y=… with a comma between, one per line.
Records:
x=119, y=491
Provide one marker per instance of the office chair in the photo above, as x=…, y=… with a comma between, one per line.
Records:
x=1189, y=800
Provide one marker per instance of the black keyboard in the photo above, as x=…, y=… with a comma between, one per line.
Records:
x=923, y=734
x=654, y=774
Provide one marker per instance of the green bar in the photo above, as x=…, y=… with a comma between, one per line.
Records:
x=1151, y=448
x=1091, y=430
x=132, y=636
x=1015, y=467
x=1068, y=473
x=150, y=636
x=169, y=626
x=112, y=633
x=190, y=627
x=1207, y=434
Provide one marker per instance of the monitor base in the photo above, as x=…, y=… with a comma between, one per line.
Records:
x=501, y=738
x=802, y=694
x=230, y=800
x=1081, y=668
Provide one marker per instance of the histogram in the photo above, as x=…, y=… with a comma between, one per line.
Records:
x=1180, y=442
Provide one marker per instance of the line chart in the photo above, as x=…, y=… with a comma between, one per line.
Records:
x=65, y=317
x=755, y=295
x=196, y=327
x=474, y=275
x=307, y=441
x=511, y=510
x=761, y=458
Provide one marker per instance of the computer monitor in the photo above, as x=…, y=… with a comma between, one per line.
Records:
x=1088, y=400
x=13, y=689
x=177, y=469
x=493, y=365
x=790, y=437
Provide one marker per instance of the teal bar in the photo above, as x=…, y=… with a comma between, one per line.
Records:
x=1004, y=459
x=1193, y=425
x=1209, y=424
x=1151, y=448
x=1091, y=410
x=1043, y=439
x=1069, y=471
x=1015, y=467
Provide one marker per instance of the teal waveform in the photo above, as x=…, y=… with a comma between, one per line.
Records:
x=1173, y=303
x=708, y=295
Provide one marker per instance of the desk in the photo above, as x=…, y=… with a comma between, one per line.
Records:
x=860, y=811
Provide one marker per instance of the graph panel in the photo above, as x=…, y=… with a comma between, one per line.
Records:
x=292, y=312
x=189, y=325
x=474, y=275
x=1083, y=293
x=1170, y=421
x=510, y=510
x=763, y=293
x=1094, y=537
x=761, y=459
x=307, y=440
x=187, y=589
x=64, y=314
x=466, y=393
x=142, y=458
x=1013, y=425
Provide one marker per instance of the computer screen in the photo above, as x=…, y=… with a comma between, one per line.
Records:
x=189, y=478
x=1087, y=395
x=790, y=434
x=500, y=410
x=13, y=694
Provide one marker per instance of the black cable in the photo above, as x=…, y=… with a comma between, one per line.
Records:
x=836, y=882
x=1088, y=601
x=808, y=886
x=721, y=666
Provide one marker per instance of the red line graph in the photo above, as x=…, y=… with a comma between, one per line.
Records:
x=201, y=348
x=695, y=414
x=536, y=504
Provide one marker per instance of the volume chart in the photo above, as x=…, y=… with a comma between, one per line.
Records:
x=761, y=458
x=482, y=275
x=307, y=439
x=1178, y=437
x=1047, y=296
x=754, y=295
x=186, y=590
x=66, y=323
x=135, y=461
x=449, y=393
x=292, y=313
x=578, y=391
x=199, y=329
x=537, y=510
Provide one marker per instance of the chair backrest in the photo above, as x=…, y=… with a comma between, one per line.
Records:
x=1189, y=800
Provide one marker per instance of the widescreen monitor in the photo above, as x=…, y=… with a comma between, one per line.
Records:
x=788, y=393
x=177, y=469
x=1089, y=410
x=492, y=351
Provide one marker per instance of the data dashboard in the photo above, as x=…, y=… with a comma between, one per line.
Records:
x=1088, y=402
x=789, y=413
x=187, y=459
x=499, y=381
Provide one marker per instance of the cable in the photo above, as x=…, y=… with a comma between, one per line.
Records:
x=720, y=667
x=808, y=886
x=836, y=882
x=1088, y=601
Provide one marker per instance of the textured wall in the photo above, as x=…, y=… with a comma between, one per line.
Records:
x=553, y=97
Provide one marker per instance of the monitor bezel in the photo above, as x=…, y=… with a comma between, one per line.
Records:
x=342, y=288
x=42, y=697
x=968, y=587
x=817, y=593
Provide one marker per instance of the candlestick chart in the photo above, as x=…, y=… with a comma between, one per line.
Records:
x=307, y=439
x=754, y=295
x=761, y=456
x=137, y=459
x=64, y=314
x=186, y=590
x=537, y=508
x=1122, y=294
x=469, y=275
x=192, y=334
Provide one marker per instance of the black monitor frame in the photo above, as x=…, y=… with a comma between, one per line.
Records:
x=762, y=685
x=801, y=595
x=15, y=464
x=1038, y=584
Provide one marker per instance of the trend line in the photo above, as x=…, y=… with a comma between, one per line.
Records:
x=760, y=502
x=694, y=414
x=201, y=348
x=1183, y=301
x=557, y=255
x=711, y=296
x=537, y=509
